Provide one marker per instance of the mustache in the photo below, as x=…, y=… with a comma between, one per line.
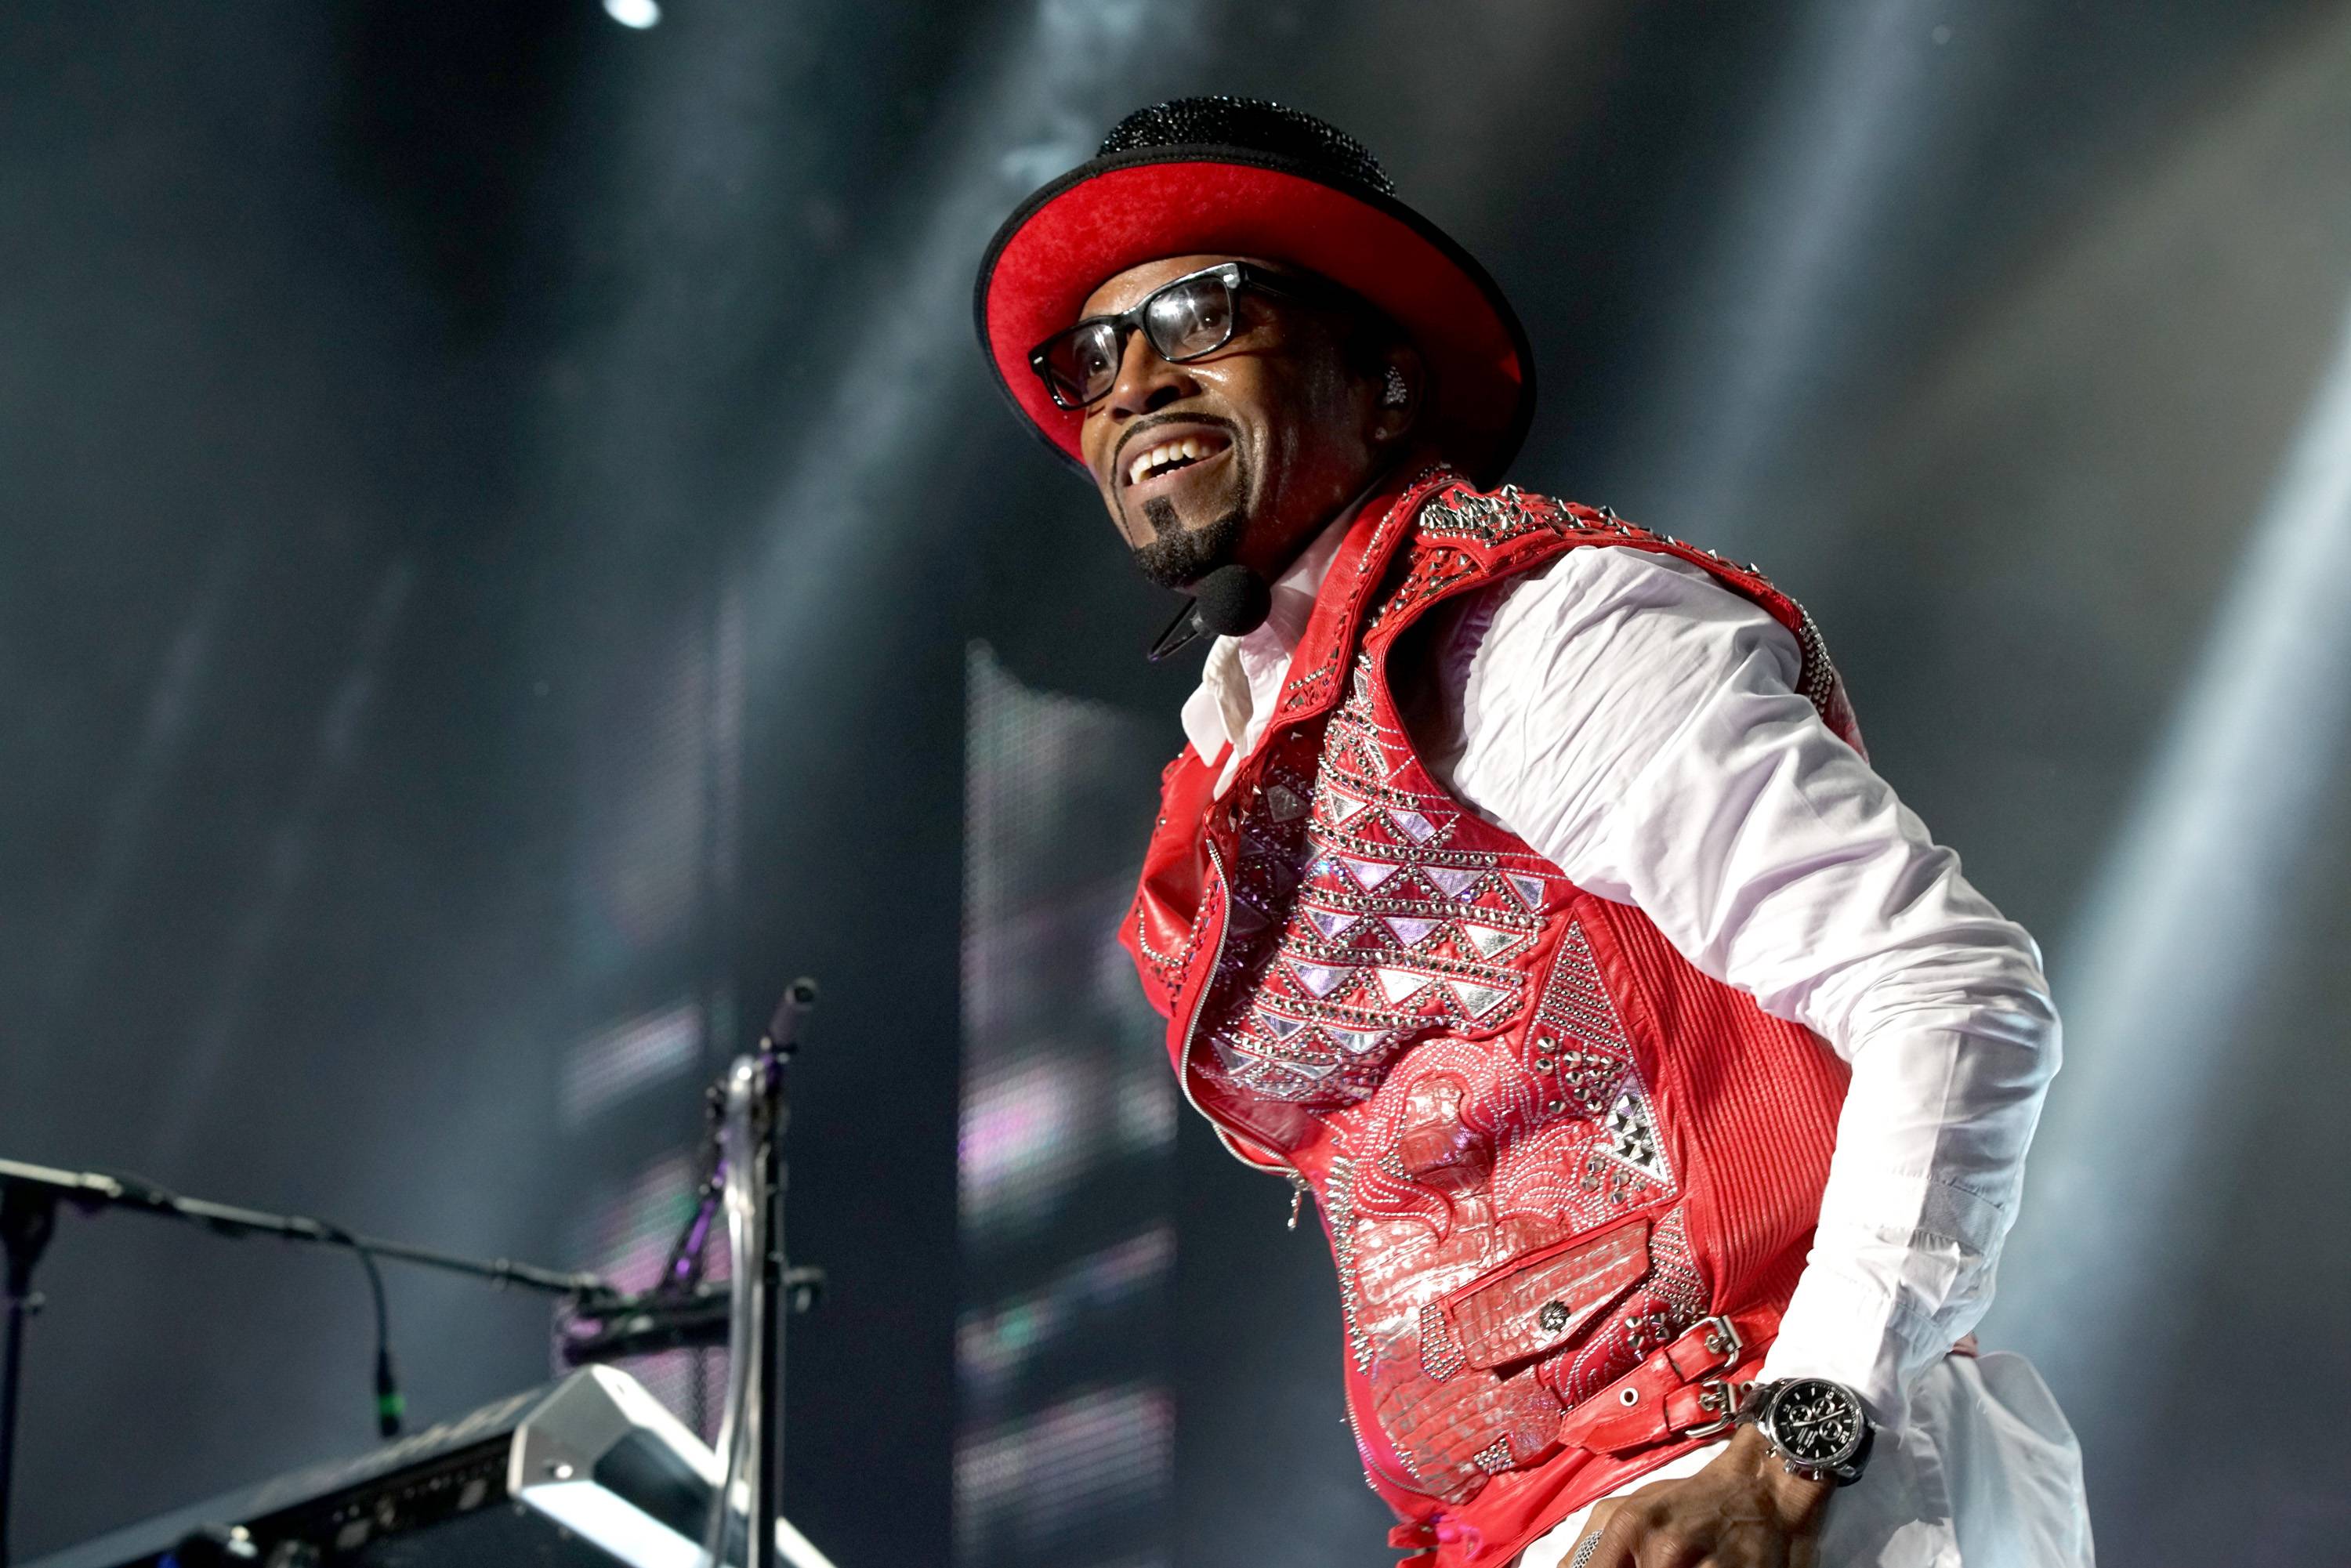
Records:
x=1160, y=421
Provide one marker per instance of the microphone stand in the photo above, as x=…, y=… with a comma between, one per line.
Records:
x=30, y=1196
x=753, y=1112
x=743, y=1183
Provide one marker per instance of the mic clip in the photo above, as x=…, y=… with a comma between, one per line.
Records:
x=1177, y=633
x=1231, y=600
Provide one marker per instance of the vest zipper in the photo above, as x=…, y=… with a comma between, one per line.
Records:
x=1362, y=1450
x=1297, y=1182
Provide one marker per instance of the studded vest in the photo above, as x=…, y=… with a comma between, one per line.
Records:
x=1544, y=1144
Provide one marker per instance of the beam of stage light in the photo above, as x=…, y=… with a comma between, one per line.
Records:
x=856, y=469
x=1850, y=130
x=2145, y=1131
x=172, y=704
x=254, y=934
x=628, y=1058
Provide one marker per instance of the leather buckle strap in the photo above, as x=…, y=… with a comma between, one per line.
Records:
x=1689, y=1388
x=1720, y=1398
x=1708, y=1346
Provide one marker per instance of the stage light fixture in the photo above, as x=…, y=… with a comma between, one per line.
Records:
x=637, y=14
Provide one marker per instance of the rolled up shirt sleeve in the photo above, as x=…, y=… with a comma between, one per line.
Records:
x=1637, y=724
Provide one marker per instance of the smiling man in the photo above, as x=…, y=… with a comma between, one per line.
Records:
x=1524, y=896
x=1284, y=437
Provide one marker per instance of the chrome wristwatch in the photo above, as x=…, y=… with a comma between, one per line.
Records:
x=1817, y=1428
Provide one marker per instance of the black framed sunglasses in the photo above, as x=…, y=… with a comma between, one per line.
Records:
x=1186, y=320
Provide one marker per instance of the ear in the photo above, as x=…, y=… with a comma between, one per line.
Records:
x=1397, y=398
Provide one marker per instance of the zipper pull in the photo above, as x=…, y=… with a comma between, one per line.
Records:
x=1297, y=1197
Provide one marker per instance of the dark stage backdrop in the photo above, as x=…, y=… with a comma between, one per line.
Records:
x=493, y=505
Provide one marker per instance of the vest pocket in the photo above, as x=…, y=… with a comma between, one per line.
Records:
x=1537, y=1303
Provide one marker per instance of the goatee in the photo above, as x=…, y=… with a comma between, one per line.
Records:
x=1178, y=557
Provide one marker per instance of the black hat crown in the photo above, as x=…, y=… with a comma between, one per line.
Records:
x=1251, y=124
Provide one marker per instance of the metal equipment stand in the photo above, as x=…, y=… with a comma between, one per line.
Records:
x=29, y=1217
x=753, y=1112
x=746, y=1182
x=30, y=1197
x=743, y=1183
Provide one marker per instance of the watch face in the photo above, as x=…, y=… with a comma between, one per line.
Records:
x=1816, y=1423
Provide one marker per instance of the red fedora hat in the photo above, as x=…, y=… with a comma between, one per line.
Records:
x=1243, y=177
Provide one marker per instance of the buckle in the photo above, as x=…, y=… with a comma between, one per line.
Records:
x=1721, y=1399
x=1709, y=1345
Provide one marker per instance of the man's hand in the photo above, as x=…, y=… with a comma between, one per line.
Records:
x=1742, y=1511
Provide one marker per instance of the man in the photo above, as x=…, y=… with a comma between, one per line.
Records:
x=1524, y=896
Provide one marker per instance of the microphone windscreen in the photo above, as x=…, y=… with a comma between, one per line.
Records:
x=1232, y=601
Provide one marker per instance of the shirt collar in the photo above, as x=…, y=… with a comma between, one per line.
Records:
x=1217, y=712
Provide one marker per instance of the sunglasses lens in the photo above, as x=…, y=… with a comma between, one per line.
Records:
x=1183, y=320
x=1190, y=318
x=1080, y=364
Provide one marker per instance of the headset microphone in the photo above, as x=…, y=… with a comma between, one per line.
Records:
x=1230, y=602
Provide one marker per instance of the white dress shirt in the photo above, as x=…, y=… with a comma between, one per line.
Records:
x=1635, y=723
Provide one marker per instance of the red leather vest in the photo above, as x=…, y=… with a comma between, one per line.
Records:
x=1553, y=1158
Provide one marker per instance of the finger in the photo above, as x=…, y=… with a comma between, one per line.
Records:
x=1636, y=1535
x=1666, y=1546
x=1743, y=1554
x=1619, y=1539
x=1587, y=1540
x=1748, y=1549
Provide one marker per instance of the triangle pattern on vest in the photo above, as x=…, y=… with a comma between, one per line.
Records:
x=1633, y=1132
x=1344, y=807
x=1478, y=1000
x=1357, y=1041
x=1332, y=923
x=1368, y=874
x=1401, y=985
x=1529, y=890
x=1411, y=824
x=1408, y=930
x=1282, y=804
x=1490, y=941
x=1451, y=881
x=1303, y=1069
x=1322, y=979
x=1278, y=1027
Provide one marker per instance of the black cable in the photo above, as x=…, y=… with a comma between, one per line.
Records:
x=389, y=1405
